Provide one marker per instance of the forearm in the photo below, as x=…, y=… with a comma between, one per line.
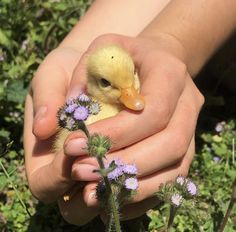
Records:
x=126, y=17
x=200, y=27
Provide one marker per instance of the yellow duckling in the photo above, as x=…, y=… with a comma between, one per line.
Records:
x=112, y=81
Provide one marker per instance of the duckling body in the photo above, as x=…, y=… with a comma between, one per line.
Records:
x=111, y=80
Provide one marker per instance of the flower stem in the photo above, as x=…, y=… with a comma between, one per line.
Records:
x=226, y=217
x=84, y=128
x=14, y=187
x=230, y=207
x=173, y=211
x=111, y=199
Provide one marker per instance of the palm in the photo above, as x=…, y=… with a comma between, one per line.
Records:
x=49, y=88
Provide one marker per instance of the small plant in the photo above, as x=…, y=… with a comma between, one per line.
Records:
x=119, y=180
x=177, y=194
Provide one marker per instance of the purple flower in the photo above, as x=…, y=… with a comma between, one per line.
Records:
x=2, y=58
x=130, y=169
x=81, y=113
x=94, y=108
x=192, y=188
x=84, y=98
x=180, y=180
x=176, y=199
x=71, y=108
x=62, y=116
x=116, y=173
x=70, y=101
x=220, y=127
x=216, y=159
x=70, y=122
x=118, y=162
x=131, y=183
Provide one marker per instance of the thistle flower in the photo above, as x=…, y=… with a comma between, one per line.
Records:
x=176, y=199
x=71, y=108
x=81, y=113
x=62, y=116
x=94, y=108
x=220, y=127
x=116, y=173
x=191, y=188
x=130, y=169
x=121, y=168
x=131, y=183
x=70, y=124
x=84, y=98
x=216, y=159
x=180, y=180
x=75, y=111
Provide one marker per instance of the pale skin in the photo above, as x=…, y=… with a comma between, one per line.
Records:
x=175, y=102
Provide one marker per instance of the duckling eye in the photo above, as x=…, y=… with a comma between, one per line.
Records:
x=104, y=83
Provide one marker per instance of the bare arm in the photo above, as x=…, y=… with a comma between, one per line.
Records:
x=120, y=17
x=200, y=27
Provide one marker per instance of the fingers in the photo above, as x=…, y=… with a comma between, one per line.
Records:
x=76, y=211
x=162, y=149
x=148, y=185
x=159, y=108
x=78, y=80
x=160, y=87
x=49, y=175
x=49, y=88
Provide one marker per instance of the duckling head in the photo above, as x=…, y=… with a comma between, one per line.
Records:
x=111, y=78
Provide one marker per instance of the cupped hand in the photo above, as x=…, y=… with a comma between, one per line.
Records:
x=160, y=139
x=49, y=174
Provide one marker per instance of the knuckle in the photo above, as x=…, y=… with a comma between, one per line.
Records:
x=181, y=143
x=105, y=38
x=162, y=116
x=201, y=98
x=181, y=67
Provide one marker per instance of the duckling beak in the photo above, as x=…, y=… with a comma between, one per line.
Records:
x=132, y=99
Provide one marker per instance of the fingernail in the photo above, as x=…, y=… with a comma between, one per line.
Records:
x=41, y=112
x=92, y=199
x=76, y=147
x=74, y=92
x=84, y=172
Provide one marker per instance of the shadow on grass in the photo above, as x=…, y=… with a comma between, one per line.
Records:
x=48, y=219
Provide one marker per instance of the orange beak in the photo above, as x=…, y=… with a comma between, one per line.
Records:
x=132, y=99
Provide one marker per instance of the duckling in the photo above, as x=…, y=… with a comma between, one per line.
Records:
x=113, y=82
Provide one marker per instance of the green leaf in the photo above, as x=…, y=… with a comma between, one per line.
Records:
x=16, y=92
x=3, y=182
x=4, y=40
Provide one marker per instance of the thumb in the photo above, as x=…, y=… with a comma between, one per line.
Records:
x=78, y=81
x=48, y=90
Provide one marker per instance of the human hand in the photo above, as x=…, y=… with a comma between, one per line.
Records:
x=162, y=139
x=49, y=174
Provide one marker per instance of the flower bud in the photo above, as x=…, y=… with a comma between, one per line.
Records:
x=98, y=145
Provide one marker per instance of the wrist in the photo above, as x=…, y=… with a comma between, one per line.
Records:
x=168, y=43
